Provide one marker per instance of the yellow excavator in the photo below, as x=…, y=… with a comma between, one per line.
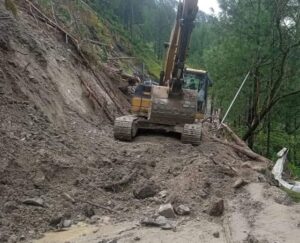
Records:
x=179, y=99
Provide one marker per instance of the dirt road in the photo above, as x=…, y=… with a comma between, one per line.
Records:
x=264, y=217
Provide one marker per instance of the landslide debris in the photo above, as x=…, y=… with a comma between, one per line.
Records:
x=59, y=162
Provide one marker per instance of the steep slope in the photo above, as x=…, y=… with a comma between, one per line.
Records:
x=48, y=117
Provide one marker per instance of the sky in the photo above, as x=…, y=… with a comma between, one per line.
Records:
x=206, y=5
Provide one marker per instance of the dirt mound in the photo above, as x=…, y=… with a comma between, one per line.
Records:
x=49, y=124
x=59, y=161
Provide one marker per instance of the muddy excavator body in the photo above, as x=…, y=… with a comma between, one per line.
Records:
x=174, y=104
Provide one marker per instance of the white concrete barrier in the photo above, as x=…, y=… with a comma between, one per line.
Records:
x=278, y=169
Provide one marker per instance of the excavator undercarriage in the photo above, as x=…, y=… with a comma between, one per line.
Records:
x=126, y=128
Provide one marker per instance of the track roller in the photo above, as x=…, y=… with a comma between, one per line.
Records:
x=191, y=134
x=125, y=128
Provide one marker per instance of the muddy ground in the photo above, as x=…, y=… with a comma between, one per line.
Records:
x=59, y=160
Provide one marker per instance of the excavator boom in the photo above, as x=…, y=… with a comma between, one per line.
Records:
x=170, y=103
x=178, y=45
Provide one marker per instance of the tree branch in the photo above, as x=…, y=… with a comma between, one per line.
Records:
x=285, y=96
x=265, y=111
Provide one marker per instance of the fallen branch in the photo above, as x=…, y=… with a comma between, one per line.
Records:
x=235, y=137
x=119, y=58
x=112, y=69
x=100, y=206
x=46, y=19
x=25, y=54
x=94, y=42
x=118, y=185
x=244, y=150
x=68, y=197
x=26, y=66
x=92, y=94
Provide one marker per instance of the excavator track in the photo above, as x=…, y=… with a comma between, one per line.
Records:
x=191, y=134
x=125, y=128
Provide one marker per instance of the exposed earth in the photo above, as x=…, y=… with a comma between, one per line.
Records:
x=61, y=170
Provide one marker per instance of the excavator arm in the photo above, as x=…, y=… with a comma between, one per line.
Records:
x=178, y=45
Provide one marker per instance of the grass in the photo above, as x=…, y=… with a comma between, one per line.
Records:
x=295, y=196
x=295, y=170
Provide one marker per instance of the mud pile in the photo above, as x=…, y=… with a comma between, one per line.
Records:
x=49, y=126
x=59, y=160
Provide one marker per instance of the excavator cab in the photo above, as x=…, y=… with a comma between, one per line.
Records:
x=198, y=80
x=194, y=79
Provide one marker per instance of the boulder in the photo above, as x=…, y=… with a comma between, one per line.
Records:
x=239, y=183
x=10, y=206
x=167, y=226
x=167, y=211
x=67, y=223
x=163, y=194
x=145, y=190
x=182, y=210
x=160, y=221
x=88, y=211
x=38, y=202
x=217, y=208
x=156, y=222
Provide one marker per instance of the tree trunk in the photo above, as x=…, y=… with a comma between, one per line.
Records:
x=268, y=136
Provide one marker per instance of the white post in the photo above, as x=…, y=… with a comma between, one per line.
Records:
x=234, y=99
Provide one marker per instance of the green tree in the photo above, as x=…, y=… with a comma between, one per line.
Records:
x=261, y=36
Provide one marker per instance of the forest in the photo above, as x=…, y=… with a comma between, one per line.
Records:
x=257, y=36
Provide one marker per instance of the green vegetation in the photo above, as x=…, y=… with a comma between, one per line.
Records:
x=263, y=37
x=144, y=24
x=294, y=195
x=10, y=5
x=137, y=28
x=295, y=169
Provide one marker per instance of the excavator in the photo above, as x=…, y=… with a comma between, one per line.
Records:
x=178, y=100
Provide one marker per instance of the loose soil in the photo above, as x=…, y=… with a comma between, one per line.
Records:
x=56, y=144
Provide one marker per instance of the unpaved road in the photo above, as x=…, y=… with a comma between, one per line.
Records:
x=193, y=232
x=258, y=214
